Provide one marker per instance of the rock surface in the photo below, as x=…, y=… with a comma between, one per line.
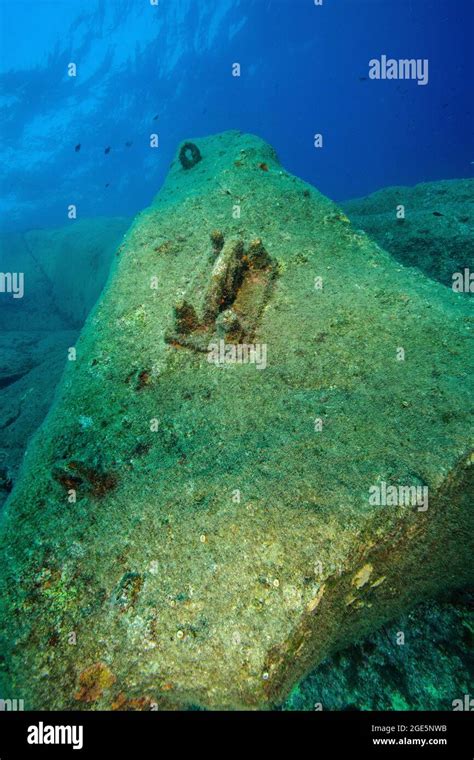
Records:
x=64, y=271
x=428, y=669
x=436, y=234
x=222, y=540
x=31, y=366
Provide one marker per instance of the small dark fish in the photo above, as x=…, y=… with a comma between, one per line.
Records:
x=128, y=144
x=107, y=150
x=362, y=79
x=156, y=117
x=437, y=213
x=78, y=147
x=108, y=183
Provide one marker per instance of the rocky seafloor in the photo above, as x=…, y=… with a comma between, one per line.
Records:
x=429, y=669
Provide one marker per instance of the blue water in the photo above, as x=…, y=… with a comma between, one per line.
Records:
x=167, y=70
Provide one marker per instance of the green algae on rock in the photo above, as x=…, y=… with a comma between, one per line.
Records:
x=237, y=545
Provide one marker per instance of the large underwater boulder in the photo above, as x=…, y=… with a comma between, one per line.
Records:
x=31, y=365
x=423, y=660
x=64, y=269
x=64, y=272
x=196, y=528
x=429, y=226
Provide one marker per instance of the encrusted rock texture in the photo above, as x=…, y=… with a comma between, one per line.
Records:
x=64, y=272
x=422, y=661
x=429, y=226
x=189, y=534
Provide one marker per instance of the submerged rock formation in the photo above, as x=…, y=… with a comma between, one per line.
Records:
x=430, y=670
x=429, y=226
x=188, y=532
x=64, y=271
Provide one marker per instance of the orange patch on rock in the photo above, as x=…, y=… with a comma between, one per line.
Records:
x=135, y=704
x=92, y=682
